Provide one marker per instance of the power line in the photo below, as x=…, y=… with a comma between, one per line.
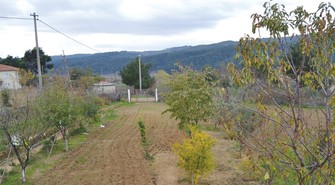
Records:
x=20, y=18
x=67, y=36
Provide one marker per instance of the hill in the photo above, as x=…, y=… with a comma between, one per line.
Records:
x=111, y=62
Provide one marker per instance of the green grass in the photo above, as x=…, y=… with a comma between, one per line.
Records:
x=109, y=112
x=39, y=162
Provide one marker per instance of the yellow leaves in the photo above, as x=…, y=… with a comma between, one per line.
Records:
x=266, y=176
x=261, y=107
x=25, y=77
x=195, y=153
x=332, y=101
x=310, y=80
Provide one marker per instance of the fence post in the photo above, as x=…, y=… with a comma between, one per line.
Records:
x=129, y=95
x=156, y=95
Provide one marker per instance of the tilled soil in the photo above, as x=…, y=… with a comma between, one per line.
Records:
x=114, y=154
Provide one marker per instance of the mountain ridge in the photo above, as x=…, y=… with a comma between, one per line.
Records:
x=213, y=55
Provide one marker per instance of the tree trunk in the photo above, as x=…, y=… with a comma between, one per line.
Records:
x=66, y=146
x=64, y=134
x=52, y=145
x=23, y=172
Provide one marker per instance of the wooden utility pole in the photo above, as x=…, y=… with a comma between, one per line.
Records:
x=40, y=83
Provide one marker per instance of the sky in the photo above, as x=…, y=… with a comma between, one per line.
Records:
x=132, y=25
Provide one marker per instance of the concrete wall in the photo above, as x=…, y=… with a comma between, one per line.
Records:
x=10, y=80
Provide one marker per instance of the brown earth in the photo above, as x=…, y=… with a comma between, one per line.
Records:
x=114, y=154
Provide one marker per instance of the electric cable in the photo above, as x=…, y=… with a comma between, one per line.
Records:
x=67, y=36
x=20, y=18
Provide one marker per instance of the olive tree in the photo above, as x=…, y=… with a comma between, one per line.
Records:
x=295, y=143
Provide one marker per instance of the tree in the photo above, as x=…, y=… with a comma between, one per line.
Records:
x=26, y=77
x=61, y=108
x=190, y=97
x=195, y=154
x=296, y=55
x=76, y=73
x=84, y=78
x=30, y=61
x=162, y=79
x=294, y=148
x=130, y=75
x=12, y=61
x=23, y=127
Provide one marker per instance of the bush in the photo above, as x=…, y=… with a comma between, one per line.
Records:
x=195, y=154
x=5, y=96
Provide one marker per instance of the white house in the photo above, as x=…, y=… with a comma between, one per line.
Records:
x=9, y=77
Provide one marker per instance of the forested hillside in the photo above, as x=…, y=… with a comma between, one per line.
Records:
x=111, y=62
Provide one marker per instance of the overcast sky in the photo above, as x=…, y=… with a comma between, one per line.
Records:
x=136, y=25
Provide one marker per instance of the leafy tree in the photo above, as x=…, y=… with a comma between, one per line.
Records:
x=30, y=61
x=195, y=154
x=76, y=73
x=190, y=97
x=61, y=108
x=301, y=64
x=26, y=77
x=84, y=78
x=89, y=106
x=294, y=148
x=162, y=79
x=12, y=61
x=23, y=127
x=130, y=74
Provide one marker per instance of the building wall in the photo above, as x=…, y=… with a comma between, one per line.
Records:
x=10, y=80
x=104, y=88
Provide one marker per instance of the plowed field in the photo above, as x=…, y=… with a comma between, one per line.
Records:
x=114, y=154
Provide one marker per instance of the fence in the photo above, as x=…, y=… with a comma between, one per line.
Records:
x=144, y=95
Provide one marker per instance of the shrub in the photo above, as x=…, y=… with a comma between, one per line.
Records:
x=5, y=96
x=195, y=154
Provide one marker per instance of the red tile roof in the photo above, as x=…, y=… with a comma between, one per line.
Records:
x=8, y=68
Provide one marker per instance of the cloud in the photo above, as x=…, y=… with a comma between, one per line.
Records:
x=145, y=17
x=109, y=25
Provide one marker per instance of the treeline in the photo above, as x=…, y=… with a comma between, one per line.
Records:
x=29, y=62
x=212, y=55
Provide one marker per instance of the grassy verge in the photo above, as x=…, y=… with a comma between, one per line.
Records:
x=40, y=163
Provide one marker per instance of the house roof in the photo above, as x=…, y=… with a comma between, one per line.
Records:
x=8, y=68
